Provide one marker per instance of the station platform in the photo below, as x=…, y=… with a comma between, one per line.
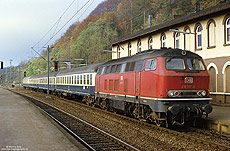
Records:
x=219, y=119
x=23, y=127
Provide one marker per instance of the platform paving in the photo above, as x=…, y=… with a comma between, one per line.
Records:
x=219, y=119
x=23, y=127
x=220, y=113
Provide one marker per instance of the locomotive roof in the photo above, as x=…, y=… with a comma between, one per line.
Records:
x=85, y=69
x=163, y=52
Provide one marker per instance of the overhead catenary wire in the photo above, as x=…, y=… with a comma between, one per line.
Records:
x=55, y=24
x=65, y=24
x=78, y=19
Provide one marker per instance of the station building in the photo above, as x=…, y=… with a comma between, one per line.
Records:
x=209, y=36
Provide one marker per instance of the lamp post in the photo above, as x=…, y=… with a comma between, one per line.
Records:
x=86, y=61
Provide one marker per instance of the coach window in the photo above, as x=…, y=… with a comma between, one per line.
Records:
x=211, y=33
x=151, y=64
x=87, y=79
x=75, y=82
x=84, y=79
x=91, y=79
x=80, y=79
x=72, y=80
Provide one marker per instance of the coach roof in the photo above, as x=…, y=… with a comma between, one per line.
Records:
x=85, y=69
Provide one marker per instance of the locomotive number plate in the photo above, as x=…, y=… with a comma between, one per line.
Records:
x=188, y=80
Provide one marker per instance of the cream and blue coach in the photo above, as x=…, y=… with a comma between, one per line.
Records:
x=76, y=81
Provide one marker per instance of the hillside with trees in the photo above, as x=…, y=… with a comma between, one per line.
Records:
x=111, y=20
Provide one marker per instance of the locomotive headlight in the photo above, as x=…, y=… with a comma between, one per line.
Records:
x=170, y=93
x=203, y=93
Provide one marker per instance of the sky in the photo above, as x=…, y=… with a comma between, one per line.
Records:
x=24, y=23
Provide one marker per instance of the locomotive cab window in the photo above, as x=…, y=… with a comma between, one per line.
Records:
x=113, y=69
x=195, y=64
x=151, y=64
x=118, y=68
x=175, y=64
x=108, y=69
x=123, y=66
x=139, y=65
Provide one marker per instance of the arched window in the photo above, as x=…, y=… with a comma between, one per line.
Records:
x=139, y=46
x=150, y=43
x=198, y=37
x=213, y=77
x=227, y=75
x=177, y=40
x=227, y=25
x=129, y=49
x=163, y=40
x=118, y=52
x=187, y=38
x=211, y=33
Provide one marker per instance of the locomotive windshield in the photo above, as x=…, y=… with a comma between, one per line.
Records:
x=179, y=64
x=175, y=64
x=195, y=64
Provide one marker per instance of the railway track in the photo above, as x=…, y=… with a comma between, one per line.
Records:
x=90, y=136
x=210, y=142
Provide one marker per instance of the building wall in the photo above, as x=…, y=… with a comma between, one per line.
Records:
x=214, y=50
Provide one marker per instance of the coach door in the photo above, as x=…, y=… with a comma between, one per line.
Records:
x=97, y=83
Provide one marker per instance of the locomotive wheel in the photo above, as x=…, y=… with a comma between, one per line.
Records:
x=135, y=113
x=159, y=120
x=104, y=105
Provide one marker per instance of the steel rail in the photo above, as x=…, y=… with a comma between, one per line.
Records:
x=130, y=147
x=175, y=133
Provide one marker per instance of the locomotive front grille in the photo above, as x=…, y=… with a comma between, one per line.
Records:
x=188, y=93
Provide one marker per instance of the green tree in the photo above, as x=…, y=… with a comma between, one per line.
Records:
x=95, y=38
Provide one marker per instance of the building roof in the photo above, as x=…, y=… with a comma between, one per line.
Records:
x=163, y=52
x=212, y=11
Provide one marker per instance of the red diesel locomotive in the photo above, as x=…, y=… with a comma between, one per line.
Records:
x=165, y=86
